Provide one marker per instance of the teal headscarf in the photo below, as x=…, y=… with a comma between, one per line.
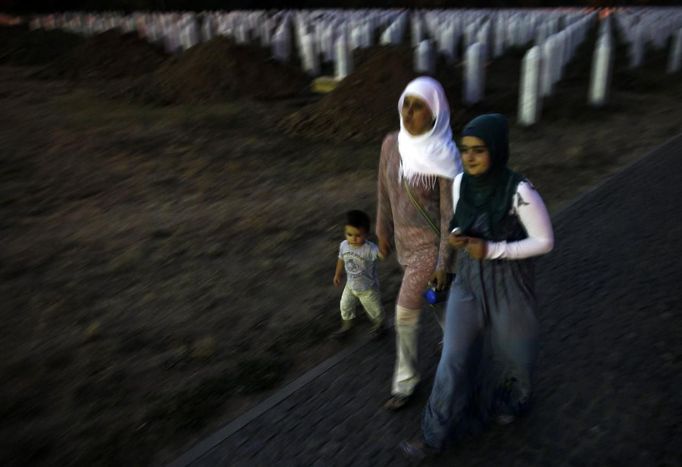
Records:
x=492, y=192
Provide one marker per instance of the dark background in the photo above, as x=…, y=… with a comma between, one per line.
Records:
x=27, y=6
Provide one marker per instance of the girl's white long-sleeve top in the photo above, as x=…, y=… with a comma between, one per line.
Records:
x=527, y=204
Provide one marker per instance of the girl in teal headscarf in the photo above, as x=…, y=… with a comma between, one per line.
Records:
x=490, y=341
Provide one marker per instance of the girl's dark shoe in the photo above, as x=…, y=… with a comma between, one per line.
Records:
x=417, y=450
x=504, y=420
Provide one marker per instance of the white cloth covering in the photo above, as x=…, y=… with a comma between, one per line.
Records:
x=426, y=157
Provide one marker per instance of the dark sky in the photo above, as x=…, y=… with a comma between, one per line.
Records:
x=25, y=6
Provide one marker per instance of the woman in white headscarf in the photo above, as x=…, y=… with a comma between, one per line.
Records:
x=414, y=207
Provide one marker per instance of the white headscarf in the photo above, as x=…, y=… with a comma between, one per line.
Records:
x=426, y=157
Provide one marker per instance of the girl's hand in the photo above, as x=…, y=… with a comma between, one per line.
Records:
x=457, y=241
x=337, y=281
x=476, y=247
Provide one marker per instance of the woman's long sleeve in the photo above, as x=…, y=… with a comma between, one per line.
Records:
x=535, y=219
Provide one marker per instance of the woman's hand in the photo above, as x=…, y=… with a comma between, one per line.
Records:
x=439, y=279
x=337, y=280
x=384, y=247
x=457, y=241
x=476, y=247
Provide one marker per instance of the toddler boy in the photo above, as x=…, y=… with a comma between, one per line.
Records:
x=358, y=257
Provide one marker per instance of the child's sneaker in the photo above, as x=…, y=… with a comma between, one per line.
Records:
x=346, y=326
x=417, y=450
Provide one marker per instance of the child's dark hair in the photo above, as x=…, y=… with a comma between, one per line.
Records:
x=358, y=219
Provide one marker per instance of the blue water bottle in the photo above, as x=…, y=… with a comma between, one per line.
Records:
x=434, y=297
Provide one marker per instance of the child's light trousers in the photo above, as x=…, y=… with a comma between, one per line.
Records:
x=369, y=299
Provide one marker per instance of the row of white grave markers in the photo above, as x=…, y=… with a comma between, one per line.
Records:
x=603, y=56
x=649, y=27
x=638, y=31
x=335, y=34
x=675, y=58
x=317, y=33
x=281, y=43
x=542, y=71
x=602, y=66
x=543, y=66
x=343, y=64
x=558, y=49
x=253, y=24
x=424, y=58
x=177, y=32
x=496, y=29
x=529, y=100
x=327, y=36
x=474, y=74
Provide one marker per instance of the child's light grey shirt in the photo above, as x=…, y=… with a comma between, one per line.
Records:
x=360, y=264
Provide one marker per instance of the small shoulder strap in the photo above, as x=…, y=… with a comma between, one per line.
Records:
x=421, y=209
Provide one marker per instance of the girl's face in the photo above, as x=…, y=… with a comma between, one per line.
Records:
x=416, y=115
x=475, y=156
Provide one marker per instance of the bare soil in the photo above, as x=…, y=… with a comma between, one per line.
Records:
x=164, y=268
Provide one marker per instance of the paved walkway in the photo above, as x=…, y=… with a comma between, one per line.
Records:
x=609, y=388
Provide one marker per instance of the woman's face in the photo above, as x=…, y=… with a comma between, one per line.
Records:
x=475, y=156
x=416, y=115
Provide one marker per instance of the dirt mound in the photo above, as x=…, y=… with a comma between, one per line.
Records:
x=219, y=69
x=19, y=46
x=363, y=107
x=109, y=55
